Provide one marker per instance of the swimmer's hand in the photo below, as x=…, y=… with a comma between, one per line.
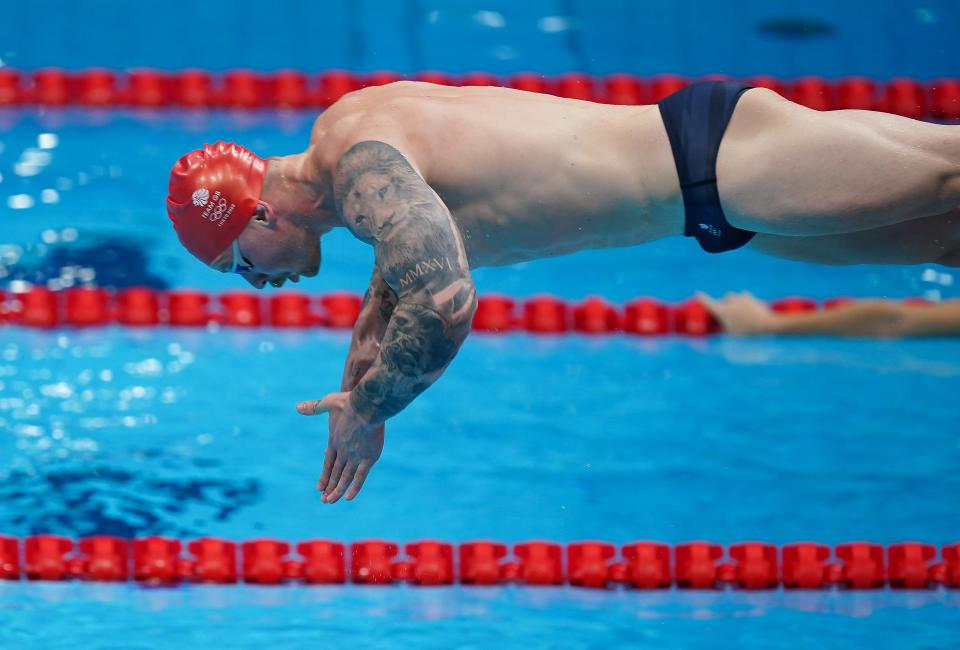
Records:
x=741, y=313
x=353, y=446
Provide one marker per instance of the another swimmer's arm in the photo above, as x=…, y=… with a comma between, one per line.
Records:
x=744, y=314
x=880, y=318
x=378, y=305
x=419, y=252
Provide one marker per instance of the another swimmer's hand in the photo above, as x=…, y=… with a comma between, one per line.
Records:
x=353, y=446
x=741, y=313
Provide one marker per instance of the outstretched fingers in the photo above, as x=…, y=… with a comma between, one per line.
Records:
x=358, y=480
x=334, y=480
x=349, y=471
x=328, y=460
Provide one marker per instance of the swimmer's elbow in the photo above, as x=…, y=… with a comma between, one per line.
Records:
x=457, y=305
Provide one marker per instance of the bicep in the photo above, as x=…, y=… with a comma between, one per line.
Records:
x=384, y=201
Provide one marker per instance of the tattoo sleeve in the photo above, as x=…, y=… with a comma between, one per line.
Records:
x=420, y=256
x=378, y=305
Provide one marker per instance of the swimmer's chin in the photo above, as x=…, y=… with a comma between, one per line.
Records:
x=312, y=272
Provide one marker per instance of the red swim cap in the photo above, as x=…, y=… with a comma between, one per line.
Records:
x=213, y=193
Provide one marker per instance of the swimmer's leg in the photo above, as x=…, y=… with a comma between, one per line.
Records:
x=788, y=170
x=934, y=239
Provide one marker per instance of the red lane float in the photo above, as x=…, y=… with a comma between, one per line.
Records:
x=625, y=90
x=577, y=86
x=194, y=89
x=104, y=558
x=155, y=560
x=439, y=78
x=371, y=562
x=188, y=308
x=333, y=85
x=98, y=87
x=479, y=79
x=215, y=560
x=52, y=87
x=588, y=564
x=857, y=93
x=665, y=85
x=539, y=563
x=756, y=565
x=431, y=563
x=793, y=305
x=323, y=562
x=139, y=306
x=770, y=83
x=804, y=565
x=148, y=89
x=480, y=562
x=265, y=561
x=904, y=97
x=646, y=566
x=595, y=316
x=291, y=309
x=862, y=565
x=545, y=315
x=909, y=565
x=243, y=89
x=694, y=319
x=696, y=565
x=290, y=89
x=45, y=557
x=812, y=92
x=12, y=92
x=241, y=309
x=494, y=314
x=945, y=99
x=340, y=309
x=37, y=307
x=382, y=78
x=530, y=82
x=293, y=89
x=646, y=317
x=86, y=307
x=9, y=558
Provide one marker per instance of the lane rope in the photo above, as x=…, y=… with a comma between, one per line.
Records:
x=40, y=307
x=293, y=89
x=638, y=565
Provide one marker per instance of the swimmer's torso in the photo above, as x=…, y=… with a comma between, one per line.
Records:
x=524, y=175
x=528, y=176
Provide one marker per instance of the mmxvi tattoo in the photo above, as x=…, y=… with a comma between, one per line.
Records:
x=419, y=254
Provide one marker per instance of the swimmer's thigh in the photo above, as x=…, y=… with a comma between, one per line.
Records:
x=789, y=170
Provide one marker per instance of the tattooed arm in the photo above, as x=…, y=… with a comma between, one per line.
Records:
x=385, y=202
x=378, y=305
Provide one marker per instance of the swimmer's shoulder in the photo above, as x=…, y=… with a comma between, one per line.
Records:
x=381, y=113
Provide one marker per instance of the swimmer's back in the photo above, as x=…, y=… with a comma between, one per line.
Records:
x=508, y=162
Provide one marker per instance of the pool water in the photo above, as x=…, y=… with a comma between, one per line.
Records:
x=188, y=433
x=193, y=432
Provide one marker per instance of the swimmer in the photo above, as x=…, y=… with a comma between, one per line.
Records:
x=745, y=315
x=440, y=180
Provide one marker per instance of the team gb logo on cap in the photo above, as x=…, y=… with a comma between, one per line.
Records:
x=201, y=197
